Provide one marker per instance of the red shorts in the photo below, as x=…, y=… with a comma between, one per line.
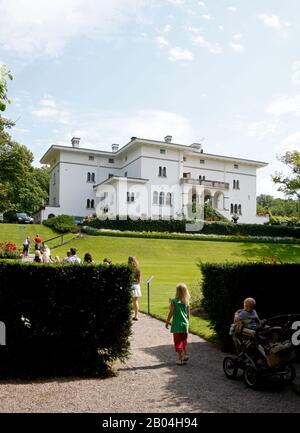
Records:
x=180, y=340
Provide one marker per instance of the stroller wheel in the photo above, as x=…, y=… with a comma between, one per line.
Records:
x=251, y=377
x=289, y=375
x=230, y=367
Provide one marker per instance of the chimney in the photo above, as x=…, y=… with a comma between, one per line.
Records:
x=75, y=141
x=114, y=147
x=168, y=138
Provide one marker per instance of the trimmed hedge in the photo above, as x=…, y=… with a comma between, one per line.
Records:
x=64, y=320
x=62, y=224
x=225, y=286
x=179, y=226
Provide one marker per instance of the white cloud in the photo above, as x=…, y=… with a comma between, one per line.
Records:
x=284, y=105
x=162, y=42
x=237, y=36
x=232, y=9
x=49, y=110
x=261, y=129
x=206, y=17
x=177, y=2
x=239, y=48
x=167, y=28
x=201, y=4
x=273, y=21
x=45, y=27
x=292, y=142
x=193, y=29
x=180, y=54
x=221, y=28
x=296, y=73
x=119, y=127
x=212, y=47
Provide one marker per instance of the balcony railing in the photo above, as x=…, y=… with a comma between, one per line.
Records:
x=208, y=183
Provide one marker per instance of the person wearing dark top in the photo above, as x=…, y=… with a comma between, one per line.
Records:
x=136, y=286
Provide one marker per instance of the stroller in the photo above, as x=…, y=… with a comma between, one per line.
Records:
x=261, y=353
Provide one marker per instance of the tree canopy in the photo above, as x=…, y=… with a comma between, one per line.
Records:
x=289, y=184
x=22, y=187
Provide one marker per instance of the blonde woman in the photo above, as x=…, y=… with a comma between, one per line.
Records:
x=136, y=287
x=179, y=310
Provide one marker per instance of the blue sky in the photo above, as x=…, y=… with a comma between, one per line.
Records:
x=222, y=72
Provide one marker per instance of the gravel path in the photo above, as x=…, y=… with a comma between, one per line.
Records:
x=150, y=381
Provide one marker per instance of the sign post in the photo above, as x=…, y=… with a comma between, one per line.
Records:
x=148, y=287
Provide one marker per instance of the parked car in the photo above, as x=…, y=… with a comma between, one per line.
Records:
x=19, y=217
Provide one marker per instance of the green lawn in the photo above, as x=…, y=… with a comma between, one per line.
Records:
x=174, y=261
x=18, y=232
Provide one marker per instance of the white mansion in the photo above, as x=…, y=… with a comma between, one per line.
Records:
x=148, y=178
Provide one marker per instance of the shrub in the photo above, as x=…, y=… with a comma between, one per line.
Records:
x=9, y=250
x=62, y=320
x=225, y=286
x=179, y=226
x=62, y=224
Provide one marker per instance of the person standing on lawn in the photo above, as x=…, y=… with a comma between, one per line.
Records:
x=136, y=286
x=179, y=310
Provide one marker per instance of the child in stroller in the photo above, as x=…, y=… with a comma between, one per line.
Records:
x=260, y=348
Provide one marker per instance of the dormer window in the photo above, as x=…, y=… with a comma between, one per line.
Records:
x=202, y=161
x=91, y=158
x=111, y=160
x=163, y=151
x=236, y=166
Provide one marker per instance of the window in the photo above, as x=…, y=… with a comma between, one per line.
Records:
x=111, y=160
x=169, y=199
x=161, y=198
x=163, y=151
x=155, y=197
x=231, y=208
x=88, y=204
x=93, y=204
x=164, y=172
x=128, y=197
x=88, y=177
x=184, y=159
x=160, y=172
x=132, y=197
x=91, y=158
x=125, y=174
x=234, y=184
x=201, y=178
x=240, y=209
x=110, y=175
x=125, y=159
x=202, y=161
x=236, y=166
x=93, y=177
x=237, y=184
x=235, y=208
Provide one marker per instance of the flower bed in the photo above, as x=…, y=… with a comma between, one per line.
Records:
x=9, y=250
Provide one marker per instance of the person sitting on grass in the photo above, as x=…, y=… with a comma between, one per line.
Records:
x=88, y=258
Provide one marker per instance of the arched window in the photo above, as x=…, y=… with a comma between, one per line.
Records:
x=237, y=184
x=132, y=196
x=89, y=177
x=161, y=198
x=128, y=197
x=234, y=184
x=155, y=197
x=240, y=209
x=235, y=208
x=164, y=172
x=160, y=171
x=93, y=177
x=93, y=204
x=88, y=204
x=169, y=199
x=231, y=208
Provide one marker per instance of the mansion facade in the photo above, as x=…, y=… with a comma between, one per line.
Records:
x=149, y=179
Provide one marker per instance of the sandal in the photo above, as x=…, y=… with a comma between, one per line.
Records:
x=179, y=362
